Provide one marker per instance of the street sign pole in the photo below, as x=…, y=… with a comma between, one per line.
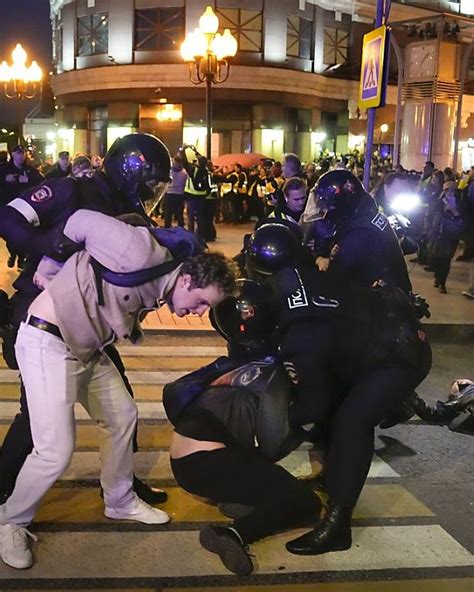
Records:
x=381, y=14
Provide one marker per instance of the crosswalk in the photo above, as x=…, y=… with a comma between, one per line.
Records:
x=398, y=541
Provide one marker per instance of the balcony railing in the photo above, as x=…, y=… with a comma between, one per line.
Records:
x=462, y=7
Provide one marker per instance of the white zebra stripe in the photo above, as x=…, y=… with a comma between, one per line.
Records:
x=177, y=554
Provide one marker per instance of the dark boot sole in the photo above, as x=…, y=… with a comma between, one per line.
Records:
x=231, y=553
x=343, y=546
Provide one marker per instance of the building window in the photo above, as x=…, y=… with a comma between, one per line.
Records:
x=58, y=43
x=298, y=37
x=336, y=46
x=159, y=28
x=93, y=34
x=245, y=25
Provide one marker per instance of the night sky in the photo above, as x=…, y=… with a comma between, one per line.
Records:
x=26, y=22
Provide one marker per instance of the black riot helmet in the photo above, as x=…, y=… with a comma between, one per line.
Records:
x=272, y=247
x=139, y=165
x=339, y=196
x=246, y=318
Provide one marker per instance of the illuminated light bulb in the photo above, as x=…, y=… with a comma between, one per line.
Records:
x=187, y=50
x=35, y=72
x=19, y=55
x=5, y=72
x=218, y=47
x=230, y=43
x=208, y=23
x=200, y=44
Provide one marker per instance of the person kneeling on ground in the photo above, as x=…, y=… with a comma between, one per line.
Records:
x=231, y=426
x=60, y=353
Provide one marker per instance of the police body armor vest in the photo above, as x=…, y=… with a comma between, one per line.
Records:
x=304, y=294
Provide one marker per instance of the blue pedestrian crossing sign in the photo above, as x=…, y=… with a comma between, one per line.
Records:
x=372, y=74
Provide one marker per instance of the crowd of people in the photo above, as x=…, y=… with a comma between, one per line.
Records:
x=323, y=266
x=443, y=217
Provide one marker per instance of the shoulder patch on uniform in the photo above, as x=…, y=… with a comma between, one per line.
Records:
x=298, y=298
x=379, y=221
x=42, y=194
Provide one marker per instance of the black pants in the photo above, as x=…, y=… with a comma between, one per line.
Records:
x=210, y=208
x=196, y=215
x=18, y=442
x=232, y=475
x=173, y=205
x=351, y=432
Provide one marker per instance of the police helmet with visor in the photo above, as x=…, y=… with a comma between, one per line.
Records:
x=272, y=247
x=338, y=195
x=246, y=317
x=139, y=165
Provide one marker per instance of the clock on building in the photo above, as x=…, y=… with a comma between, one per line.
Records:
x=421, y=59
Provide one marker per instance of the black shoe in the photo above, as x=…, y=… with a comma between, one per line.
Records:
x=463, y=258
x=414, y=260
x=428, y=268
x=234, y=511
x=148, y=494
x=436, y=284
x=400, y=415
x=333, y=533
x=442, y=289
x=226, y=543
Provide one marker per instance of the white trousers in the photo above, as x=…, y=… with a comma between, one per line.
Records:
x=54, y=380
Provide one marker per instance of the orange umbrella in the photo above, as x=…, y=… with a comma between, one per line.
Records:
x=245, y=159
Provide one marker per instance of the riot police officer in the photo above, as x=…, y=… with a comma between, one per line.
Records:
x=134, y=166
x=354, y=354
x=349, y=235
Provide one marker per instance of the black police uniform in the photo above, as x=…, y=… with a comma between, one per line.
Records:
x=58, y=173
x=368, y=250
x=9, y=190
x=351, y=367
x=31, y=223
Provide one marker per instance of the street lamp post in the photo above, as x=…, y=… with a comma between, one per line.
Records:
x=20, y=81
x=208, y=54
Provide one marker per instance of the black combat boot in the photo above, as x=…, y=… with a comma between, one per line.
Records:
x=333, y=533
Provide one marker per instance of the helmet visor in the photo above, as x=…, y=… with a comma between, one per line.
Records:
x=315, y=208
x=152, y=194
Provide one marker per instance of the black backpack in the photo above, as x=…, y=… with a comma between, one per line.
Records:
x=249, y=402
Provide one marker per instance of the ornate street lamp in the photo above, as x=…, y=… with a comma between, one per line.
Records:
x=20, y=81
x=208, y=54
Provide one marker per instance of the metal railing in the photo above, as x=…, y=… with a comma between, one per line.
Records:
x=453, y=6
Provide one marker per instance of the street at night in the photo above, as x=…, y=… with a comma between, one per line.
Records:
x=237, y=295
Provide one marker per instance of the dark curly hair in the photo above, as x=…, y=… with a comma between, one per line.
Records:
x=211, y=269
